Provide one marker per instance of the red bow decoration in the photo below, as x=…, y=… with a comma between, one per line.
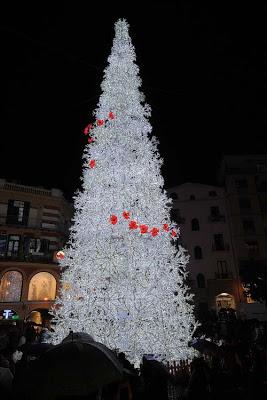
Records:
x=113, y=219
x=90, y=140
x=143, y=229
x=133, y=225
x=154, y=231
x=92, y=164
x=166, y=227
x=87, y=129
x=173, y=233
x=100, y=122
x=126, y=215
x=111, y=115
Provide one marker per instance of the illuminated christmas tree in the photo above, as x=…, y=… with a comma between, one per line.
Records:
x=124, y=275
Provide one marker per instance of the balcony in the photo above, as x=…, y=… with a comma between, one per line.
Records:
x=33, y=223
x=223, y=275
x=217, y=218
x=45, y=258
x=220, y=247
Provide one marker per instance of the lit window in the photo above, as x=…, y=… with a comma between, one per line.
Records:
x=42, y=287
x=10, y=287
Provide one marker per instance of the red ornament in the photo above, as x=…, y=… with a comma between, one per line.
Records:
x=113, y=219
x=166, y=227
x=173, y=233
x=87, y=129
x=111, y=115
x=60, y=255
x=90, y=140
x=100, y=122
x=92, y=164
x=126, y=215
x=133, y=224
x=154, y=231
x=143, y=228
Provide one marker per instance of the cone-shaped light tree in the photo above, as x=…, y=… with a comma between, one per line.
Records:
x=124, y=275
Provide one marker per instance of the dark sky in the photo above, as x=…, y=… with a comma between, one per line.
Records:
x=203, y=70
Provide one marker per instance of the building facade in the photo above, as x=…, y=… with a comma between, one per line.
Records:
x=200, y=211
x=245, y=182
x=34, y=224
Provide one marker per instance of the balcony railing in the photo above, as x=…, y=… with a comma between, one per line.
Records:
x=46, y=258
x=217, y=218
x=223, y=275
x=33, y=223
x=220, y=247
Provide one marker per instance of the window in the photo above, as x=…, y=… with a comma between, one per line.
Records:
x=13, y=246
x=212, y=193
x=261, y=167
x=195, y=224
x=262, y=186
x=192, y=197
x=201, y=281
x=198, y=253
x=10, y=287
x=241, y=183
x=214, y=211
x=249, y=226
x=244, y=203
x=42, y=287
x=218, y=241
x=35, y=246
x=3, y=245
x=222, y=268
x=253, y=247
x=17, y=212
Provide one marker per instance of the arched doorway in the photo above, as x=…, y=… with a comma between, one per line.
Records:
x=225, y=303
x=40, y=317
x=225, y=300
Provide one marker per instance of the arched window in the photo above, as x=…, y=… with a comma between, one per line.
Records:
x=201, y=281
x=42, y=287
x=195, y=224
x=10, y=287
x=198, y=253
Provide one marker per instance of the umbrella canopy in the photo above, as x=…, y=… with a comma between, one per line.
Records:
x=76, y=367
x=203, y=345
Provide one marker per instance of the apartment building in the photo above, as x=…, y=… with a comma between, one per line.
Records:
x=200, y=211
x=34, y=224
x=245, y=180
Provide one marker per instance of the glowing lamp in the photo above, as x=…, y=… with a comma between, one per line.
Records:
x=60, y=255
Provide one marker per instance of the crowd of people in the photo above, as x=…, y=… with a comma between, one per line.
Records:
x=234, y=365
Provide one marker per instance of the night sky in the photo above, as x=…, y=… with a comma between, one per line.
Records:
x=203, y=70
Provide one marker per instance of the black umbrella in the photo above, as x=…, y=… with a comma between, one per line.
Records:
x=37, y=349
x=76, y=367
x=203, y=345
